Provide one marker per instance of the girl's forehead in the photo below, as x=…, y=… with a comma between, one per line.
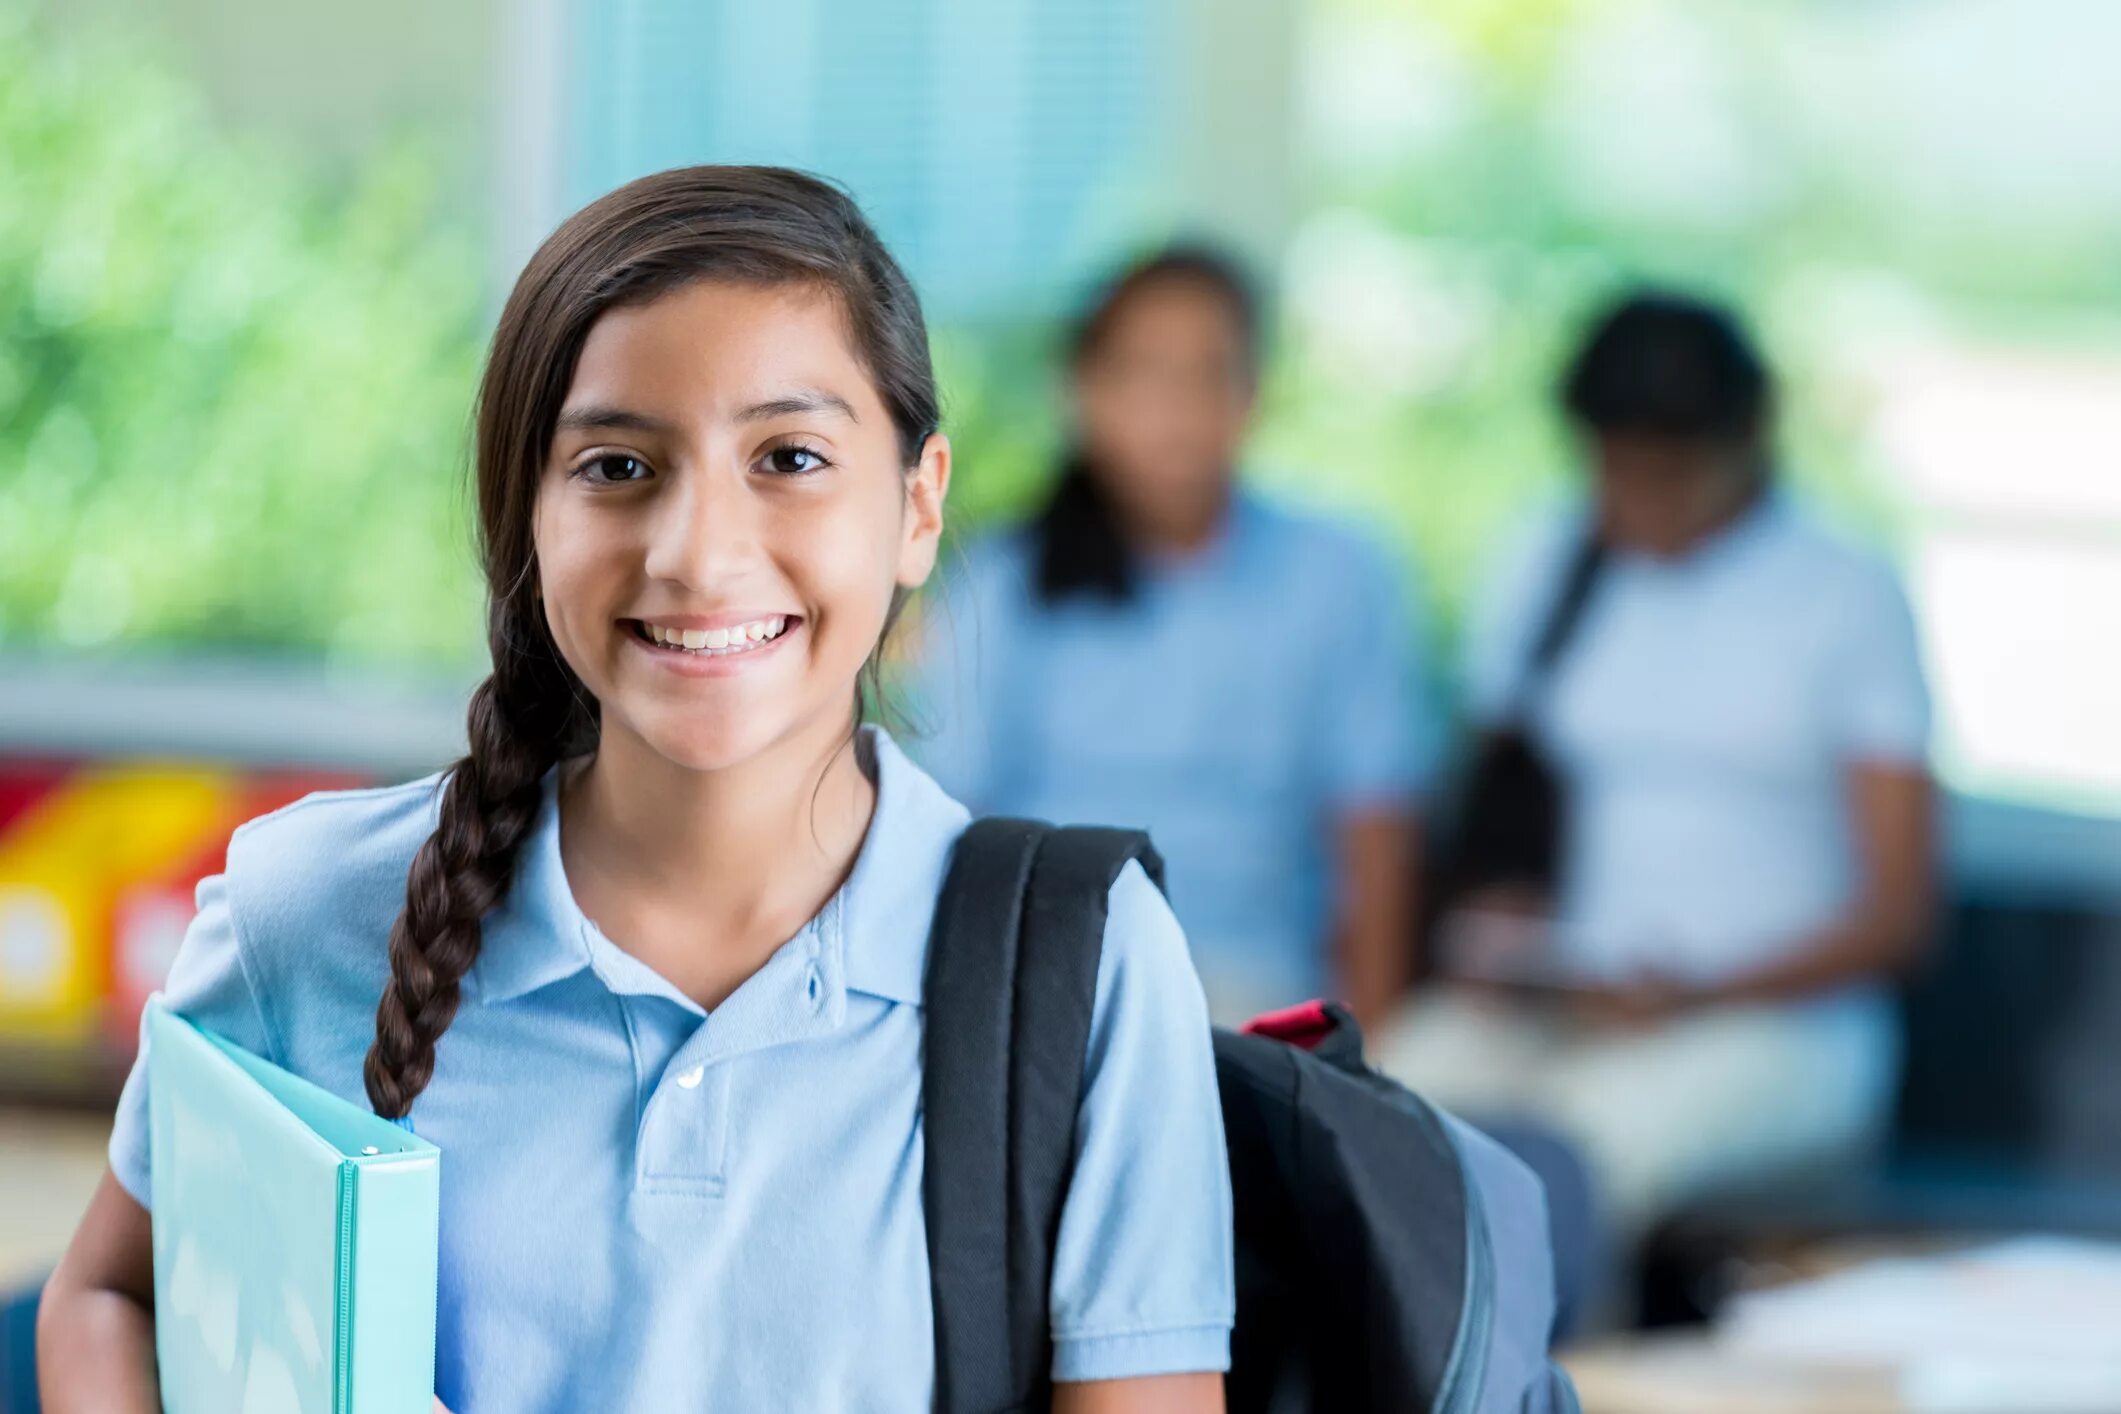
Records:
x=714, y=343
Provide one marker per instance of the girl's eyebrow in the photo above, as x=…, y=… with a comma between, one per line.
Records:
x=799, y=401
x=594, y=418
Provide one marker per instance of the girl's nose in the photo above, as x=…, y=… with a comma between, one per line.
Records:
x=706, y=530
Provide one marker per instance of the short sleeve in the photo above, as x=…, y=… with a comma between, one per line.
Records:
x=960, y=676
x=1143, y=1276
x=1880, y=696
x=210, y=984
x=1512, y=599
x=1379, y=738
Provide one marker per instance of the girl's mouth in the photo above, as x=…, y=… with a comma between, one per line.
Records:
x=726, y=641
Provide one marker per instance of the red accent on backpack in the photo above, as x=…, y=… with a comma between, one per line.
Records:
x=1303, y=1025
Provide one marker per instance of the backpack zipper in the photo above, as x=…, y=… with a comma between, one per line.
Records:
x=1467, y=1370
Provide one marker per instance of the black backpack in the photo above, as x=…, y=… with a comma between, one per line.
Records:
x=1388, y=1256
x=1501, y=821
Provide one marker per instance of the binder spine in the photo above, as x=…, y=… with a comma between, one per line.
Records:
x=342, y=1337
x=393, y=1246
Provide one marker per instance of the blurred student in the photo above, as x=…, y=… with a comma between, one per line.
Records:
x=1162, y=647
x=1737, y=718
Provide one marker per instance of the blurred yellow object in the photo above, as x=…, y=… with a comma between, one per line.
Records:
x=63, y=863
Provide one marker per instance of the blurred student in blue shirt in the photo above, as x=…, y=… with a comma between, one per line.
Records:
x=1740, y=722
x=1162, y=647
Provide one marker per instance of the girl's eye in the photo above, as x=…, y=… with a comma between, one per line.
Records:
x=612, y=468
x=793, y=461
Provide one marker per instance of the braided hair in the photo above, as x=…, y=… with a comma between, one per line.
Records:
x=754, y=225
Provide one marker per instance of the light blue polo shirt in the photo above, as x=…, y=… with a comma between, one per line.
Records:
x=1706, y=714
x=1250, y=694
x=650, y=1206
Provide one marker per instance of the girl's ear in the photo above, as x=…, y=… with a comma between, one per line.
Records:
x=923, y=529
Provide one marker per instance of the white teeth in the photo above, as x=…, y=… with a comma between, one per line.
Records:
x=735, y=638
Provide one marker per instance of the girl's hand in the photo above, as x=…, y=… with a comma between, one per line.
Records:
x=1640, y=1004
x=440, y=1407
x=1498, y=942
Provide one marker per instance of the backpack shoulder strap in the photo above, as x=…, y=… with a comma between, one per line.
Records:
x=1585, y=567
x=1010, y=989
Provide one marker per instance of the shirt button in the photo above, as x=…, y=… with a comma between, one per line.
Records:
x=690, y=1080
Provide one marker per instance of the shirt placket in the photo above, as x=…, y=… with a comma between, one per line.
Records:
x=685, y=1136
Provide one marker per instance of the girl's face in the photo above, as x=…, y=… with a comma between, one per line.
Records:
x=723, y=520
x=1162, y=403
x=1663, y=495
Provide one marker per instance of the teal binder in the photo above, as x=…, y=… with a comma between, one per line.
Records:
x=295, y=1238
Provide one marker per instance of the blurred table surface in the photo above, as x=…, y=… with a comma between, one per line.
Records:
x=50, y=1161
x=1685, y=1373
x=1689, y=1371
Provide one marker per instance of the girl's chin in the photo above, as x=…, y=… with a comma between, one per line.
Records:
x=686, y=747
x=693, y=737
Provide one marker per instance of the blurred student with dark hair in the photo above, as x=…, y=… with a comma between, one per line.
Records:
x=1732, y=704
x=1162, y=647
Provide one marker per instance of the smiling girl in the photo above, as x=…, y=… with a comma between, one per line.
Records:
x=650, y=957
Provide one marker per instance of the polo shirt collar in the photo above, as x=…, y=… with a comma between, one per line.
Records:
x=889, y=900
x=538, y=935
x=1225, y=550
x=1758, y=524
x=872, y=935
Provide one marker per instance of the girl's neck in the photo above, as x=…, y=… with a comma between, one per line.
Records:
x=1186, y=534
x=1746, y=497
x=730, y=862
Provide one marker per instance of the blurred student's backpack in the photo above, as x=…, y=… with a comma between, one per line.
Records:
x=1501, y=819
x=1389, y=1257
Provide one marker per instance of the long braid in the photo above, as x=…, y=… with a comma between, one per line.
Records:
x=463, y=871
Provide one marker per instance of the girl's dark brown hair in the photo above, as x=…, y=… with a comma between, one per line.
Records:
x=1081, y=550
x=756, y=225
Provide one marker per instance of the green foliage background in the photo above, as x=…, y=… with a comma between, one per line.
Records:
x=234, y=389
